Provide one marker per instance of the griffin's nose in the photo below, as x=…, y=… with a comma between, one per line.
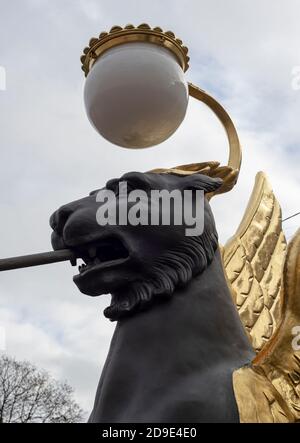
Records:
x=59, y=218
x=57, y=222
x=73, y=223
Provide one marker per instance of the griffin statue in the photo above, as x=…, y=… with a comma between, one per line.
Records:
x=204, y=333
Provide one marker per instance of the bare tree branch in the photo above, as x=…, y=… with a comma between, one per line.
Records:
x=30, y=395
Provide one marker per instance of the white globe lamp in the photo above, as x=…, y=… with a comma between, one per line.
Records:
x=135, y=94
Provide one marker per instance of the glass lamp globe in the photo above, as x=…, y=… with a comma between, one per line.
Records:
x=136, y=94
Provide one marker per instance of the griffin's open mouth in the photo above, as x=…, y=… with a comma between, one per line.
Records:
x=104, y=253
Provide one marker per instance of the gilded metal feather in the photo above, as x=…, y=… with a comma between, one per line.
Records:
x=253, y=262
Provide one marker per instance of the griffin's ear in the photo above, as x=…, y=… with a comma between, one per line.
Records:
x=203, y=182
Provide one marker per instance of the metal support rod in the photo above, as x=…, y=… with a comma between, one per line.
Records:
x=43, y=258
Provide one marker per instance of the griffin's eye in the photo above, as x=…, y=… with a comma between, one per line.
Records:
x=112, y=185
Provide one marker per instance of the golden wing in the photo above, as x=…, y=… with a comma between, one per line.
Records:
x=269, y=390
x=253, y=261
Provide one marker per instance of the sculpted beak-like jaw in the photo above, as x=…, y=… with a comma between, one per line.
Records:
x=104, y=250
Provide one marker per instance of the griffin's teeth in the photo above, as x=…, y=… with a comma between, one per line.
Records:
x=82, y=267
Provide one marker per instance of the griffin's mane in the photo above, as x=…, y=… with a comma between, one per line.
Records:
x=173, y=269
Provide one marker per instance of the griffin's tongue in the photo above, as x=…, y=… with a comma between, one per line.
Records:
x=111, y=251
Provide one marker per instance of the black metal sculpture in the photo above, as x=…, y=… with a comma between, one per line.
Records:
x=178, y=337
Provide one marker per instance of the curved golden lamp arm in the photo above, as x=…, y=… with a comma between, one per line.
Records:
x=235, y=151
x=229, y=174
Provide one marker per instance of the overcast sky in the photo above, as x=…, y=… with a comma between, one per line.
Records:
x=242, y=51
